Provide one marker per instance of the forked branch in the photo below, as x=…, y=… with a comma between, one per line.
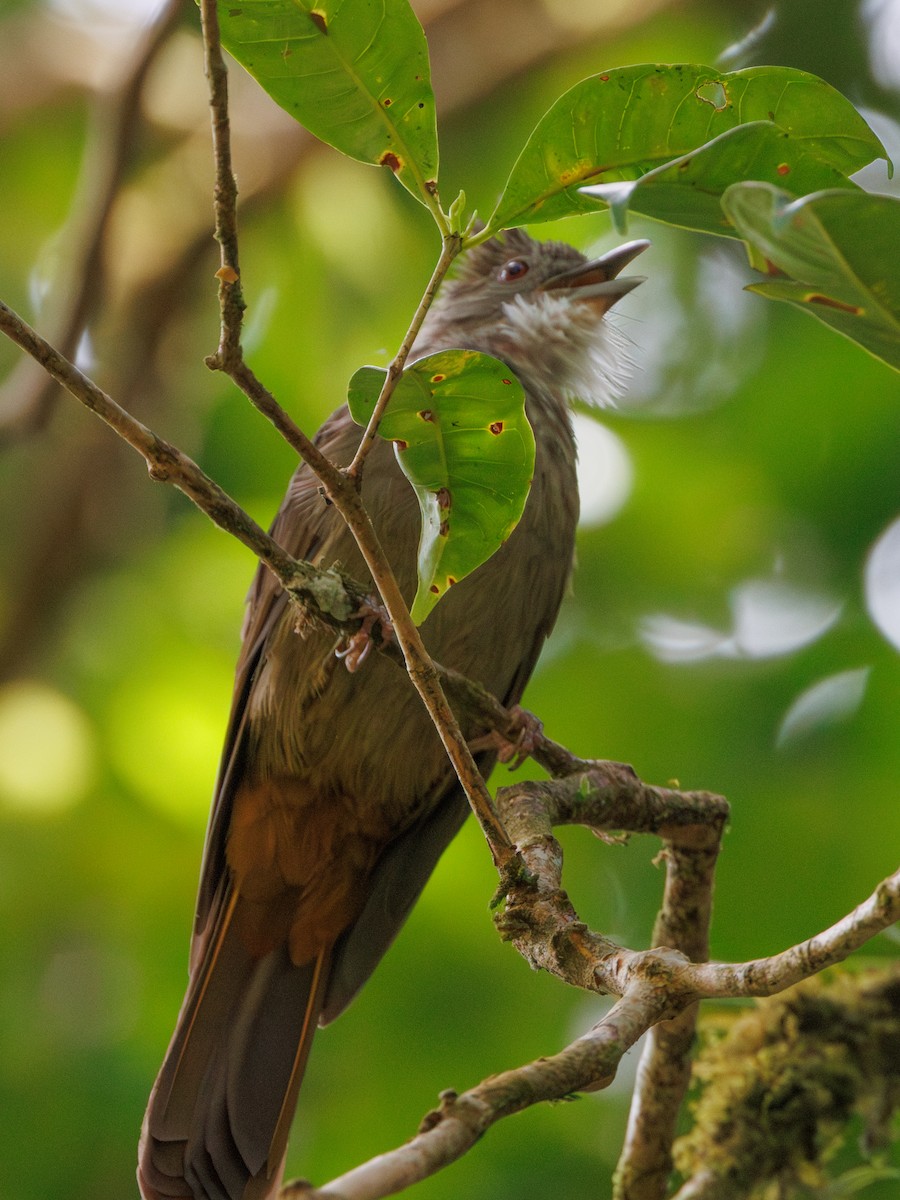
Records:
x=658, y=989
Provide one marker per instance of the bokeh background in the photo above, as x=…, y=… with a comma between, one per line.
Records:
x=735, y=622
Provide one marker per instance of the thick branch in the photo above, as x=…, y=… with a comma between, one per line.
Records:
x=542, y=922
x=655, y=986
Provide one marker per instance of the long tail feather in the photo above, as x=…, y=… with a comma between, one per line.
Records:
x=218, y=1119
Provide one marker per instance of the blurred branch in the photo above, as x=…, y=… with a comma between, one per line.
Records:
x=472, y=55
x=27, y=395
x=89, y=478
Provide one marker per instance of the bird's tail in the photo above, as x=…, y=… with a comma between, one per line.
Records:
x=217, y=1123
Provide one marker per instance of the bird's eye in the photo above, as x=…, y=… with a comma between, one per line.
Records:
x=515, y=269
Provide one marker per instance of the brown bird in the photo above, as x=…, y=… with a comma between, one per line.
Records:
x=335, y=798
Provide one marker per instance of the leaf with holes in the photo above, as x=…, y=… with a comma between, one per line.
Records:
x=622, y=123
x=688, y=191
x=353, y=72
x=832, y=254
x=457, y=421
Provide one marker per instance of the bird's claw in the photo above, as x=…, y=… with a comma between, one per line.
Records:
x=528, y=731
x=355, y=648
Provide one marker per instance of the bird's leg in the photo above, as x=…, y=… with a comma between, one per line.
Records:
x=355, y=647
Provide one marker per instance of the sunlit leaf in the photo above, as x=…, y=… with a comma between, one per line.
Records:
x=882, y=583
x=688, y=190
x=457, y=420
x=770, y=617
x=353, y=72
x=825, y=703
x=858, y=1179
x=624, y=122
x=838, y=251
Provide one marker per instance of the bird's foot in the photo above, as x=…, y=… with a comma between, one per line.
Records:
x=527, y=731
x=355, y=648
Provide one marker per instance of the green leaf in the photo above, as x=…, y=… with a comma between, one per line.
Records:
x=457, y=420
x=353, y=72
x=857, y=1179
x=624, y=122
x=838, y=253
x=688, y=191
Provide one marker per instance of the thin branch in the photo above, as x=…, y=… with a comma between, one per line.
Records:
x=341, y=487
x=446, y=1134
x=332, y=595
x=231, y=300
x=767, y=976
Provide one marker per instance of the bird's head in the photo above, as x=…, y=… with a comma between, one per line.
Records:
x=540, y=306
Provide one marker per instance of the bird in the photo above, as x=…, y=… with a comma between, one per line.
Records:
x=335, y=798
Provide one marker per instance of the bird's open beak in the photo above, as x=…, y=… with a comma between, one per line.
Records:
x=597, y=283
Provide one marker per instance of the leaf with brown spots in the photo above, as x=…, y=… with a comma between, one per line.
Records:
x=615, y=127
x=356, y=74
x=836, y=254
x=468, y=452
x=688, y=191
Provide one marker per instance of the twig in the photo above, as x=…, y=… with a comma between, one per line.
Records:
x=231, y=300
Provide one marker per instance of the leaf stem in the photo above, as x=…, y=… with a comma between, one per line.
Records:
x=450, y=247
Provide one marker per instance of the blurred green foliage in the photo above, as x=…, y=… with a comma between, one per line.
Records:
x=734, y=571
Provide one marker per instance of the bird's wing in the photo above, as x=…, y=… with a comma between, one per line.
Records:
x=303, y=524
